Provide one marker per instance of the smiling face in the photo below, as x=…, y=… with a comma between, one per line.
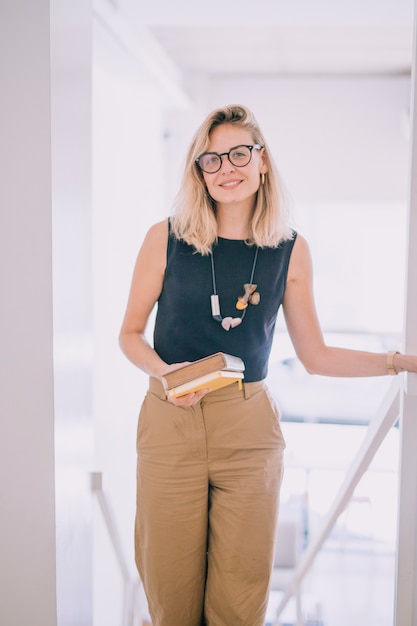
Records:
x=231, y=184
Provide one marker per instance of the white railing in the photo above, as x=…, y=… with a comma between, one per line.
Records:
x=130, y=615
x=383, y=421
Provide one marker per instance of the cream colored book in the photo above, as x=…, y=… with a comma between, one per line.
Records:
x=212, y=381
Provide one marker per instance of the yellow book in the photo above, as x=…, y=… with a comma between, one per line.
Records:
x=212, y=381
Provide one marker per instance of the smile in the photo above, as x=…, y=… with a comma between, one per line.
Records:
x=231, y=184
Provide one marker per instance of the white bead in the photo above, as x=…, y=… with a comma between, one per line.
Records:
x=231, y=322
x=226, y=323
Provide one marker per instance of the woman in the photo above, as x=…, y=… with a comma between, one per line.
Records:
x=210, y=463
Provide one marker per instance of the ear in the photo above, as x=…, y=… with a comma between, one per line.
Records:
x=263, y=166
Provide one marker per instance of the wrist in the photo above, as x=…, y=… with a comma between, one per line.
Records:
x=393, y=366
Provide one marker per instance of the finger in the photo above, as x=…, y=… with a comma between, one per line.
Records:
x=190, y=399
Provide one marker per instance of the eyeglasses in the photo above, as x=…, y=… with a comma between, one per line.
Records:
x=239, y=156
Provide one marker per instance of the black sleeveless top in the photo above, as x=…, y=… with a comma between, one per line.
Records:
x=184, y=327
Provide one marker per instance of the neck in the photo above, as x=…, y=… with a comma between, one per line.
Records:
x=233, y=222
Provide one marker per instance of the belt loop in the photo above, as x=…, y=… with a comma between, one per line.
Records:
x=156, y=387
x=246, y=392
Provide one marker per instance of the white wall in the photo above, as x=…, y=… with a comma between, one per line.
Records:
x=127, y=200
x=335, y=139
x=27, y=537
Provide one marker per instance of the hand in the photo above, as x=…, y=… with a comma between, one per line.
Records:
x=405, y=362
x=188, y=399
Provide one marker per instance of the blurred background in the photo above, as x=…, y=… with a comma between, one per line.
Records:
x=330, y=84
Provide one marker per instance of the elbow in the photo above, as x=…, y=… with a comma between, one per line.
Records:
x=308, y=366
x=122, y=341
x=314, y=358
x=312, y=365
x=128, y=340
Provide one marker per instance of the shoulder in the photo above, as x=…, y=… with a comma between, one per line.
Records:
x=157, y=234
x=301, y=245
x=152, y=253
x=300, y=263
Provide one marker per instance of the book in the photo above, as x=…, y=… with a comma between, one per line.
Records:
x=212, y=381
x=218, y=361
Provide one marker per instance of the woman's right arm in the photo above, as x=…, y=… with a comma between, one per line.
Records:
x=147, y=281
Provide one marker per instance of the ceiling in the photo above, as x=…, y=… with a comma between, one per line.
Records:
x=245, y=37
x=218, y=50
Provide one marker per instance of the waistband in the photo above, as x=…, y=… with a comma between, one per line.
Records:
x=248, y=389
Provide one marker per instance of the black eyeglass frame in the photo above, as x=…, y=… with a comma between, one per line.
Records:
x=255, y=146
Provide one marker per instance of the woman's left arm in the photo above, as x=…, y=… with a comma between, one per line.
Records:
x=306, y=335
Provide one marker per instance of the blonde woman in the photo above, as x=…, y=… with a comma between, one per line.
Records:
x=210, y=462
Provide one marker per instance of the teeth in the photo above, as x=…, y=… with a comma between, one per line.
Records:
x=235, y=182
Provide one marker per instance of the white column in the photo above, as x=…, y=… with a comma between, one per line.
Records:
x=71, y=88
x=27, y=521
x=406, y=575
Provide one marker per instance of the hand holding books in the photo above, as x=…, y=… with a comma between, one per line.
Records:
x=211, y=372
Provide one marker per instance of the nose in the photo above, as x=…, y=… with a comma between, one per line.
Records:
x=224, y=157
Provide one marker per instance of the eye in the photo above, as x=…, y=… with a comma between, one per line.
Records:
x=209, y=160
x=238, y=153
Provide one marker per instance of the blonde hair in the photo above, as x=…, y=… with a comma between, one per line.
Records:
x=194, y=218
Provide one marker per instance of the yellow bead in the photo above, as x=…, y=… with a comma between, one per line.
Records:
x=240, y=304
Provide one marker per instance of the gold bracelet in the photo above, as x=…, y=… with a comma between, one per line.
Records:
x=390, y=362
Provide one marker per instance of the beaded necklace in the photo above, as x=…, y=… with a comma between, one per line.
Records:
x=250, y=296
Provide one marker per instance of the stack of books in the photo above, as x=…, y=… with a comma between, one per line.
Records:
x=211, y=372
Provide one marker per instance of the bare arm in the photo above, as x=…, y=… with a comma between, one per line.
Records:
x=146, y=286
x=306, y=335
x=147, y=281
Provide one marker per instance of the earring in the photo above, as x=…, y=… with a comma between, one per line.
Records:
x=262, y=178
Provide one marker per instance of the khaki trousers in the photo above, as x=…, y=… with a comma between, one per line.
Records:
x=208, y=480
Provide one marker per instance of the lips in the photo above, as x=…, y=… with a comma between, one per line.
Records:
x=230, y=184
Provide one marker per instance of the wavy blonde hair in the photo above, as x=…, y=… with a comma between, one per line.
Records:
x=194, y=217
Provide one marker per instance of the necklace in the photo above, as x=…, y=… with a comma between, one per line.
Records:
x=250, y=296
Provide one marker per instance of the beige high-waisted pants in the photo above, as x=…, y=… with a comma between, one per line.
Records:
x=208, y=483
